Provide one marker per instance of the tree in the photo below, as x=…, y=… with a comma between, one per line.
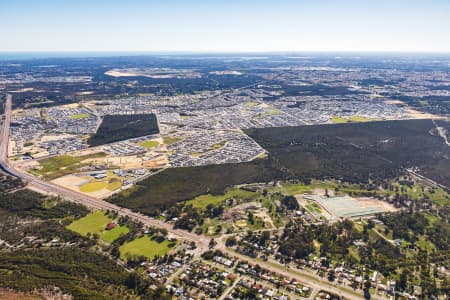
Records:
x=403, y=280
x=367, y=286
x=231, y=241
x=251, y=218
x=331, y=276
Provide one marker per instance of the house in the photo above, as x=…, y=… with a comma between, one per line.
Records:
x=111, y=225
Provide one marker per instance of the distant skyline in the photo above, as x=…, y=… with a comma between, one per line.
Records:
x=225, y=26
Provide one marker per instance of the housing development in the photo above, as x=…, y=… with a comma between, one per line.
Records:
x=236, y=177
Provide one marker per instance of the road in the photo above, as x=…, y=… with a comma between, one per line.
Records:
x=442, y=132
x=91, y=202
x=303, y=276
x=201, y=241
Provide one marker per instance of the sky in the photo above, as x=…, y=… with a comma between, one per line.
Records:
x=225, y=25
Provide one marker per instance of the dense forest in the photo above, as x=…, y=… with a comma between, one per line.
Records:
x=357, y=152
x=354, y=153
x=122, y=127
x=163, y=190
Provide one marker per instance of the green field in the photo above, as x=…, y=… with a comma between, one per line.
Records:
x=145, y=246
x=112, y=182
x=338, y=120
x=115, y=185
x=168, y=140
x=57, y=166
x=203, y=201
x=353, y=119
x=79, y=116
x=96, y=223
x=92, y=223
x=149, y=144
x=93, y=186
x=295, y=188
x=113, y=234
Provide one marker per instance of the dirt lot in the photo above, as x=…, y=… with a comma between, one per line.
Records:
x=371, y=202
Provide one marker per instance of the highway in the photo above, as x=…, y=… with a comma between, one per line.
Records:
x=91, y=202
x=201, y=241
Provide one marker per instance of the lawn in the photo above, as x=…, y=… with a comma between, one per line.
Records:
x=93, y=223
x=338, y=120
x=93, y=186
x=149, y=144
x=111, y=182
x=295, y=188
x=342, y=188
x=168, y=140
x=79, y=116
x=359, y=119
x=115, y=185
x=145, y=246
x=113, y=234
x=203, y=201
x=353, y=119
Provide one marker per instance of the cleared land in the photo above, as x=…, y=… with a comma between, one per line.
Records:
x=57, y=166
x=203, y=201
x=121, y=127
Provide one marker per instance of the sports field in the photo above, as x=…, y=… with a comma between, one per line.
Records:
x=145, y=246
x=92, y=223
x=113, y=234
x=95, y=223
x=93, y=186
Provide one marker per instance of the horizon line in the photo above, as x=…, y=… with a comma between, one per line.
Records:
x=15, y=55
